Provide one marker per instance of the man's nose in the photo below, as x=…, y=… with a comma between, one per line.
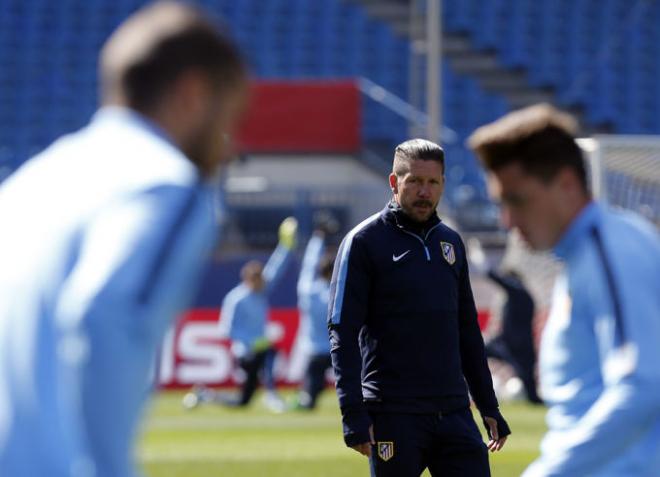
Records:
x=424, y=191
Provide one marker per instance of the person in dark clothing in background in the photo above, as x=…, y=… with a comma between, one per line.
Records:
x=405, y=342
x=515, y=342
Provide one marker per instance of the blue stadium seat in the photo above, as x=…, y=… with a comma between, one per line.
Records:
x=599, y=54
x=584, y=49
x=58, y=46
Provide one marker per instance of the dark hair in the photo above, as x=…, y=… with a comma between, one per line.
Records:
x=251, y=269
x=416, y=149
x=326, y=265
x=151, y=49
x=540, y=138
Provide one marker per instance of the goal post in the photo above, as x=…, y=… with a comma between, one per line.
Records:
x=624, y=171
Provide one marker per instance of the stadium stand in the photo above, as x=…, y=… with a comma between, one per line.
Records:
x=602, y=56
x=48, y=83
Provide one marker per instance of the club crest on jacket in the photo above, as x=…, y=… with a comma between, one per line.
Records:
x=448, y=252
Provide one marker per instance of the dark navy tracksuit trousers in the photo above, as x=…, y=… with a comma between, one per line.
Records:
x=448, y=445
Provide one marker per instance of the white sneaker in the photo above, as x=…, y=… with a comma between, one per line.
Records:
x=190, y=400
x=195, y=397
x=274, y=402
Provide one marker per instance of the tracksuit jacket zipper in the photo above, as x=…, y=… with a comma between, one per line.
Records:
x=423, y=241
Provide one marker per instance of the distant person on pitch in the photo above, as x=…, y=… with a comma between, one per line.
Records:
x=104, y=237
x=313, y=295
x=514, y=344
x=599, y=350
x=243, y=320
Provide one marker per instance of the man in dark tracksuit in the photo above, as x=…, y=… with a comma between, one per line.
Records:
x=404, y=334
x=515, y=342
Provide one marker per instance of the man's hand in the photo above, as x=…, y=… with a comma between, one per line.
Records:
x=287, y=232
x=496, y=442
x=261, y=344
x=365, y=447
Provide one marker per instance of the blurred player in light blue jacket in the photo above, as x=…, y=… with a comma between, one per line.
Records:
x=243, y=320
x=313, y=296
x=104, y=236
x=600, y=350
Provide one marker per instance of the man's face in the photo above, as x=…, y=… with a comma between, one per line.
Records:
x=532, y=206
x=213, y=140
x=252, y=275
x=256, y=282
x=420, y=189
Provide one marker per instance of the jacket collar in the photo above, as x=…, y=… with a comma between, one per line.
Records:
x=394, y=214
x=122, y=115
x=580, y=227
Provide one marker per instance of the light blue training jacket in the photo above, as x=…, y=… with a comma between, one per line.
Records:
x=244, y=312
x=103, y=240
x=313, y=296
x=600, y=351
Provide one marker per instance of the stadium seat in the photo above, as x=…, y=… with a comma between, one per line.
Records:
x=602, y=55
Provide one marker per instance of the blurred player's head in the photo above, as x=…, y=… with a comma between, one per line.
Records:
x=536, y=171
x=172, y=65
x=252, y=275
x=326, y=265
x=418, y=177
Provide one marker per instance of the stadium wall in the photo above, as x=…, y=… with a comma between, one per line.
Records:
x=195, y=352
x=303, y=117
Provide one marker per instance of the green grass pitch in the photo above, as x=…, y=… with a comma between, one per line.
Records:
x=212, y=441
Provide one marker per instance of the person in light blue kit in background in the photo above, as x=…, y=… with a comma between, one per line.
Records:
x=244, y=317
x=104, y=237
x=313, y=296
x=600, y=352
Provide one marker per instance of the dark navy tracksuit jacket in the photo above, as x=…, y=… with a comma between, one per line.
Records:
x=403, y=323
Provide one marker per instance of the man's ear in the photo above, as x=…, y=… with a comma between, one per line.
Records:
x=567, y=180
x=192, y=92
x=393, y=183
x=494, y=186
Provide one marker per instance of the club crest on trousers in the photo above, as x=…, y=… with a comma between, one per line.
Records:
x=448, y=252
x=385, y=450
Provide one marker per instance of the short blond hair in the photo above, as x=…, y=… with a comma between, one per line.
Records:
x=155, y=45
x=541, y=138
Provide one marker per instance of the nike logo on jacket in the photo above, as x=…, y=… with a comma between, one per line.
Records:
x=396, y=258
